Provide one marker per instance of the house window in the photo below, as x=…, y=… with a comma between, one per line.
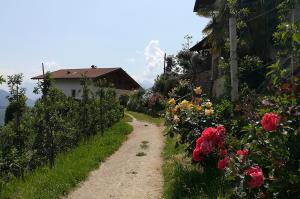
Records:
x=73, y=93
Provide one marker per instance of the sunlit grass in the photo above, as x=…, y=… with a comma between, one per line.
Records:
x=147, y=118
x=184, y=181
x=70, y=168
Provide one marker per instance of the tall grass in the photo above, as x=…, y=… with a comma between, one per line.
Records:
x=182, y=180
x=70, y=168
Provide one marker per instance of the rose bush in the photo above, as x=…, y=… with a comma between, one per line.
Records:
x=257, y=157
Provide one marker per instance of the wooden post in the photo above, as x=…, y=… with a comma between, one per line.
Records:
x=165, y=59
x=233, y=60
x=293, y=46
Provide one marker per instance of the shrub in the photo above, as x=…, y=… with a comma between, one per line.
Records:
x=124, y=100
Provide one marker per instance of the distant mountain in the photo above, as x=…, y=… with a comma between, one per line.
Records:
x=146, y=84
x=4, y=101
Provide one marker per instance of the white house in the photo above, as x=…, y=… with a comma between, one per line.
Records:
x=68, y=80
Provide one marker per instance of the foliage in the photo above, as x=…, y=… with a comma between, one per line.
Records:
x=164, y=83
x=54, y=183
x=16, y=98
x=146, y=102
x=182, y=90
x=280, y=164
x=1, y=79
x=124, y=99
x=55, y=124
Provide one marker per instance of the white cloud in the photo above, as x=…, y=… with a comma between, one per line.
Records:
x=154, y=57
x=131, y=60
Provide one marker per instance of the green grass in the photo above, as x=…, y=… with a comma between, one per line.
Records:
x=147, y=118
x=70, y=168
x=185, y=181
x=127, y=118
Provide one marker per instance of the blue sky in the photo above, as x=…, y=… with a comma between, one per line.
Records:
x=131, y=34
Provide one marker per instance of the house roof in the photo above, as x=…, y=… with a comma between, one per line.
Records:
x=202, y=3
x=204, y=44
x=79, y=73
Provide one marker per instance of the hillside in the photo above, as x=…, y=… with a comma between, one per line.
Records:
x=4, y=102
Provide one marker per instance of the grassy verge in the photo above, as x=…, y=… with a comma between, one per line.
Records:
x=70, y=168
x=182, y=180
x=147, y=118
x=127, y=118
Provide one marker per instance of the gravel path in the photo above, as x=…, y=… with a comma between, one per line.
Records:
x=134, y=171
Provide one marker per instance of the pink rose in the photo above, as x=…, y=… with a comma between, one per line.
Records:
x=256, y=177
x=270, y=122
x=223, y=163
x=242, y=154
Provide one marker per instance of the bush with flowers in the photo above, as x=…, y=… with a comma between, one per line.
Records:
x=253, y=147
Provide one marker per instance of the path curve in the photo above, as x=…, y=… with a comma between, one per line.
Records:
x=126, y=175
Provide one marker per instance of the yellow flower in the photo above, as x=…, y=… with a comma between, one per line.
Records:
x=190, y=106
x=175, y=109
x=198, y=90
x=197, y=100
x=208, y=105
x=199, y=108
x=172, y=102
x=184, y=104
x=209, y=112
x=176, y=119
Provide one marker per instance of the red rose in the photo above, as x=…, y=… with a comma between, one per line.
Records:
x=270, y=122
x=209, y=133
x=242, y=154
x=256, y=177
x=196, y=154
x=223, y=163
x=220, y=130
x=206, y=147
x=223, y=152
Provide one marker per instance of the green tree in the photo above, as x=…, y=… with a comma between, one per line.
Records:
x=1, y=79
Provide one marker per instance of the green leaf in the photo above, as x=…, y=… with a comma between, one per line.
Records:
x=296, y=37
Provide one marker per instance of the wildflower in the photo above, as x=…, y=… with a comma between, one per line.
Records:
x=223, y=163
x=197, y=100
x=184, y=104
x=270, y=122
x=209, y=112
x=208, y=105
x=199, y=108
x=172, y=102
x=175, y=109
x=176, y=119
x=256, y=177
x=190, y=105
x=198, y=90
x=242, y=154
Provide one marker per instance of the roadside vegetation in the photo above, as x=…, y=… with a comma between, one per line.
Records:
x=70, y=167
x=147, y=118
x=33, y=138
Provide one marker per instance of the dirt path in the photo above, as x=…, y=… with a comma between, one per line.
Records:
x=126, y=175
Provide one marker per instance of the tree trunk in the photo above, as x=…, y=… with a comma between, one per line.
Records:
x=233, y=60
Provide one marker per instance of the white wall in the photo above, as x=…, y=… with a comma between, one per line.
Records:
x=67, y=85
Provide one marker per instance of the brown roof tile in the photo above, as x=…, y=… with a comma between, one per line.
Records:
x=78, y=73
